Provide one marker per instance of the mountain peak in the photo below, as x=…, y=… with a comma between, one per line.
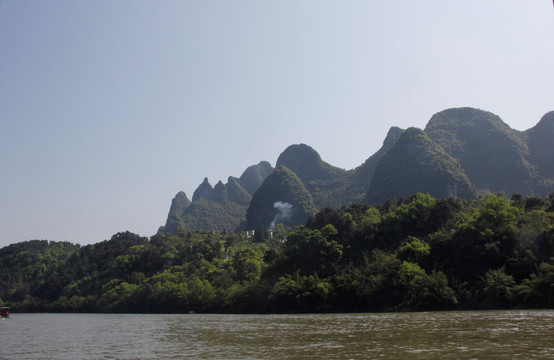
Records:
x=299, y=156
x=219, y=193
x=493, y=155
x=393, y=135
x=179, y=202
x=237, y=192
x=178, y=205
x=546, y=124
x=363, y=174
x=305, y=162
x=254, y=175
x=415, y=163
x=541, y=145
x=203, y=191
x=465, y=117
x=319, y=177
x=281, y=186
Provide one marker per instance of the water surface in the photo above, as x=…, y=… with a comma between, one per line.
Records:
x=425, y=335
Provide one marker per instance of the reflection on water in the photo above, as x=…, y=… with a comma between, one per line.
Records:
x=438, y=335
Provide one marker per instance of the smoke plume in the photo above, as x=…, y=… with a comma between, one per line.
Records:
x=284, y=212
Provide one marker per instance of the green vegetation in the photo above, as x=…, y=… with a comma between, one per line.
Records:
x=419, y=253
x=495, y=157
x=326, y=183
x=284, y=186
x=417, y=164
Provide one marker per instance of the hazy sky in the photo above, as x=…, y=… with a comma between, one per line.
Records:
x=109, y=108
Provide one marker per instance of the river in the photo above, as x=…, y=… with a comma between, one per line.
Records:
x=423, y=335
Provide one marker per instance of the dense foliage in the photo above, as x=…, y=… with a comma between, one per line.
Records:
x=328, y=185
x=416, y=254
x=418, y=164
x=284, y=186
x=495, y=157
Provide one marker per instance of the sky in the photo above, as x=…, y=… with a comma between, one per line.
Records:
x=109, y=108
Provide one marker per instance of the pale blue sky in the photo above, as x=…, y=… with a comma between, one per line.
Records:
x=109, y=108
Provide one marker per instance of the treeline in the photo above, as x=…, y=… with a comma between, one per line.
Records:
x=415, y=254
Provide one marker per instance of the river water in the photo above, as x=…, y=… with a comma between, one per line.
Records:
x=423, y=335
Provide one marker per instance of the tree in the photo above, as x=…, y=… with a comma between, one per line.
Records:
x=413, y=249
x=310, y=251
x=246, y=265
x=498, y=289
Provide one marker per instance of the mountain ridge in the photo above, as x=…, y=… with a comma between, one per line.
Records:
x=461, y=152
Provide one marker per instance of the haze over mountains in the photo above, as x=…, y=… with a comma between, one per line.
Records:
x=462, y=153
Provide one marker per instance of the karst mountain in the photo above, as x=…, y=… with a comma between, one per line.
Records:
x=461, y=153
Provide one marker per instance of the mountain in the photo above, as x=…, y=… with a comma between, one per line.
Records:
x=222, y=207
x=541, y=146
x=321, y=179
x=462, y=152
x=203, y=191
x=415, y=164
x=178, y=205
x=362, y=175
x=282, y=198
x=494, y=156
x=331, y=186
x=237, y=193
x=254, y=175
x=207, y=214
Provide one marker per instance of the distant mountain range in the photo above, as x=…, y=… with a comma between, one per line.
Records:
x=462, y=153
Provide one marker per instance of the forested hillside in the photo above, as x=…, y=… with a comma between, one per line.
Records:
x=417, y=164
x=419, y=253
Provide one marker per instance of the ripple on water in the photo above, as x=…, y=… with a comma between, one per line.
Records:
x=431, y=335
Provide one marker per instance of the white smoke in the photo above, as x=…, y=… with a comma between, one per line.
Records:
x=284, y=212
